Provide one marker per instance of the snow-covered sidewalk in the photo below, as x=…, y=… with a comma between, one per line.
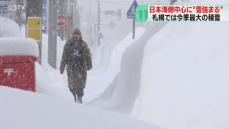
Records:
x=26, y=110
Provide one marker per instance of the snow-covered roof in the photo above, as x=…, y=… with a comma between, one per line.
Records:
x=9, y=28
x=18, y=46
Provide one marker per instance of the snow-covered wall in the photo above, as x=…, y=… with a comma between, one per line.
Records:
x=185, y=78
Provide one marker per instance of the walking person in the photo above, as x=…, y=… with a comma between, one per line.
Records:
x=77, y=60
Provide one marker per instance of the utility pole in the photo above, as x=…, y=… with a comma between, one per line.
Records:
x=99, y=22
x=33, y=9
x=134, y=13
x=63, y=8
x=131, y=15
x=52, y=33
x=19, y=12
x=72, y=17
x=69, y=23
x=134, y=26
x=76, y=17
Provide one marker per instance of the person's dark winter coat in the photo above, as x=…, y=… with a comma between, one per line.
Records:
x=77, y=60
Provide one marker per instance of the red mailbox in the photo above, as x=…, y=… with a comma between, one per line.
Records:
x=17, y=63
x=18, y=72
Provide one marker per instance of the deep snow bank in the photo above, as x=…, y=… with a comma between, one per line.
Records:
x=121, y=94
x=103, y=73
x=184, y=83
x=32, y=111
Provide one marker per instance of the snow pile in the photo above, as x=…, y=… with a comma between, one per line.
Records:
x=9, y=28
x=103, y=74
x=122, y=92
x=18, y=46
x=179, y=80
x=184, y=82
x=32, y=111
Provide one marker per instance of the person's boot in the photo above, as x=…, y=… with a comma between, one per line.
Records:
x=79, y=99
x=74, y=98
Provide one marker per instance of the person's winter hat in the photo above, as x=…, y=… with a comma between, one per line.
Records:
x=77, y=32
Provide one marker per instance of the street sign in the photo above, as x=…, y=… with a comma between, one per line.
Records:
x=34, y=28
x=131, y=14
x=61, y=21
x=131, y=10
